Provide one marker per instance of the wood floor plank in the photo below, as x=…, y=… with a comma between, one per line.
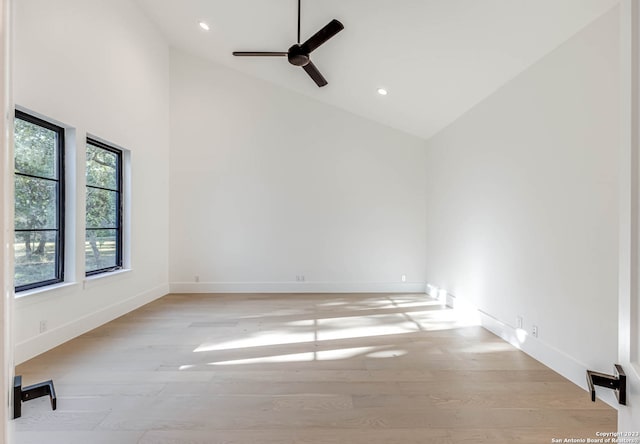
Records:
x=67, y=437
x=300, y=369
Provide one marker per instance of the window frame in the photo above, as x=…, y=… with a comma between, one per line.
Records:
x=119, y=208
x=60, y=200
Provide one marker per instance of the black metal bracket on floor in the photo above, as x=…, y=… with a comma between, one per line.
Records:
x=30, y=392
x=617, y=382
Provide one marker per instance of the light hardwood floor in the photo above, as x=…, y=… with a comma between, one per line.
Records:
x=284, y=369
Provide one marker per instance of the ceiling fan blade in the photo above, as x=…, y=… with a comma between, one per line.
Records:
x=259, y=54
x=317, y=39
x=313, y=72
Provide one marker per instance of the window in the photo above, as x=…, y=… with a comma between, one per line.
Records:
x=103, y=244
x=39, y=202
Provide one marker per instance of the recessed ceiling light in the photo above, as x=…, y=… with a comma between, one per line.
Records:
x=204, y=26
x=382, y=91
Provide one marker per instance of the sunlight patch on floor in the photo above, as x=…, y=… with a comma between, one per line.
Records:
x=351, y=327
x=261, y=339
x=387, y=354
x=498, y=347
x=324, y=355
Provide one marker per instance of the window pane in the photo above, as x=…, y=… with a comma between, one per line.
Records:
x=35, y=203
x=102, y=168
x=100, y=249
x=35, y=257
x=103, y=249
x=101, y=208
x=35, y=150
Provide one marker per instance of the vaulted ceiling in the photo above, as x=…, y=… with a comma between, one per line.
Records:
x=437, y=58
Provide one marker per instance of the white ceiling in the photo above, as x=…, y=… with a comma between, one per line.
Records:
x=437, y=58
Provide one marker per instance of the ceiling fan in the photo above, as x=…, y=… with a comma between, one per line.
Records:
x=298, y=54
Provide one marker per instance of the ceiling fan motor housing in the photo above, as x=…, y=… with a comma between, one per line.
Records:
x=298, y=56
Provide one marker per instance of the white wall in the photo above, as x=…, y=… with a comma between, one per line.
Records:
x=100, y=68
x=267, y=185
x=522, y=203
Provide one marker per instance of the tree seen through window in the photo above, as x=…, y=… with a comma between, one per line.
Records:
x=103, y=245
x=39, y=206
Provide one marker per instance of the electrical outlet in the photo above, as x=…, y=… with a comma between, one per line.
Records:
x=302, y=278
x=43, y=326
x=534, y=331
x=519, y=322
x=404, y=278
x=196, y=278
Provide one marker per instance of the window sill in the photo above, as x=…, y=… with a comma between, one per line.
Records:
x=43, y=290
x=90, y=281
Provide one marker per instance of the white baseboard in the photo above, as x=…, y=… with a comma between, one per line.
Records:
x=46, y=341
x=297, y=287
x=556, y=360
